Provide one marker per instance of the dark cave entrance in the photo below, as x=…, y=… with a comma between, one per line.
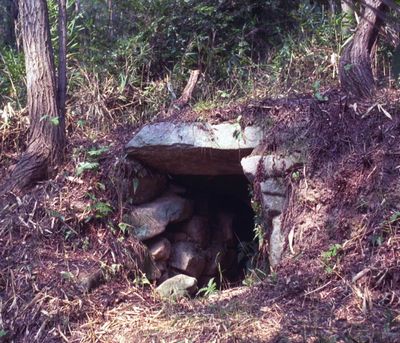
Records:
x=221, y=228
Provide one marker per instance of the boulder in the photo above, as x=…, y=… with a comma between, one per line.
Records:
x=197, y=229
x=160, y=250
x=149, y=220
x=194, y=148
x=136, y=183
x=187, y=258
x=272, y=165
x=146, y=188
x=177, y=287
x=276, y=241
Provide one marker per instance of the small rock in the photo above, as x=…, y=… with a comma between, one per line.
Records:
x=160, y=250
x=273, y=165
x=149, y=220
x=89, y=282
x=187, y=258
x=197, y=228
x=276, y=242
x=177, y=287
x=273, y=186
x=273, y=204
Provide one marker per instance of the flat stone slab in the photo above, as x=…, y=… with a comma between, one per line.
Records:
x=194, y=148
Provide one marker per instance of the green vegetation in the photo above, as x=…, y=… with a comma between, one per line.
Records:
x=209, y=289
x=330, y=257
x=127, y=62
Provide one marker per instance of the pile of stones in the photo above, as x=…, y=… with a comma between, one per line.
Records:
x=183, y=239
x=185, y=236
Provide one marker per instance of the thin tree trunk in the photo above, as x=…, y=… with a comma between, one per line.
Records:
x=62, y=58
x=110, y=19
x=355, y=69
x=47, y=133
x=348, y=16
x=77, y=6
x=186, y=94
x=332, y=7
x=10, y=15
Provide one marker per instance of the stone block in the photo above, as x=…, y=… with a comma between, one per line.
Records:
x=187, y=258
x=160, y=249
x=149, y=220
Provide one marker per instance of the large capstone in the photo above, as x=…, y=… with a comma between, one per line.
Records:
x=194, y=148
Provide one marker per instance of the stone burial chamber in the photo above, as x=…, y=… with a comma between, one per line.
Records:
x=192, y=207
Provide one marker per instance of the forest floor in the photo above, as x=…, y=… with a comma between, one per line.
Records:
x=338, y=282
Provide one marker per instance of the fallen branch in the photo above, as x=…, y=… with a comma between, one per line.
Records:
x=186, y=94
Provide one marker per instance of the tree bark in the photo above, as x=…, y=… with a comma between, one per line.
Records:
x=355, y=69
x=47, y=129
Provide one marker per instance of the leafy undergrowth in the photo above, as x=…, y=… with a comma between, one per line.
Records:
x=339, y=280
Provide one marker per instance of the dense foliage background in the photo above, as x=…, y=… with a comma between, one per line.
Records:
x=127, y=60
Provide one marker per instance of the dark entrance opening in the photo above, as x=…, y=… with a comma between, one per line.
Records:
x=221, y=228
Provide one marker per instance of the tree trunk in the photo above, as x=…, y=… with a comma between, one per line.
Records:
x=348, y=16
x=77, y=6
x=47, y=129
x=110, y=19
x=7, y=23
x=355, y=69
x=62, y=59
x=332, y=7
